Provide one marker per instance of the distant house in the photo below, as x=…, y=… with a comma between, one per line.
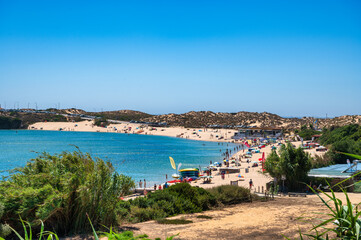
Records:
x=258, y=132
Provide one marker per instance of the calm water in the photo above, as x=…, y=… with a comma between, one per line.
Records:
x=139, y=156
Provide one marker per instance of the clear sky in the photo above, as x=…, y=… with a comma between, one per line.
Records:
x=292, y=58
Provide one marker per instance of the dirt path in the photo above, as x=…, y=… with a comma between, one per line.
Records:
x=256, y=221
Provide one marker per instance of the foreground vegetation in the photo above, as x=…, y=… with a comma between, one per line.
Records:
x=182, y=198
x=61, y=190
x=342, y=220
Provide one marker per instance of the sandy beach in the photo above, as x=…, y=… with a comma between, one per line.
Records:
x=259, y=178
x=202, y=134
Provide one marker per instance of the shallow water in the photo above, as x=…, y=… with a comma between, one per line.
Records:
x=139, y=156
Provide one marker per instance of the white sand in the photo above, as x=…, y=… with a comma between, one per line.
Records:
x=189, y=133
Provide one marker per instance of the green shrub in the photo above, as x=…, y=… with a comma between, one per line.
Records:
x=4, y=228
x=146, y=214
x=321, y=161
x=307, y=133
x=174, y=221
x=9, y=123
x=342, y=139
x=229, y=194
x=61, y=189
x=177, y=199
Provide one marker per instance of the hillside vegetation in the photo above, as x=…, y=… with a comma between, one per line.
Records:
x=342, y=139
x=190, y=119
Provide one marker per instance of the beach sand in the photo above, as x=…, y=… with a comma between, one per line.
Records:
x=259, y=178
x=203, y=134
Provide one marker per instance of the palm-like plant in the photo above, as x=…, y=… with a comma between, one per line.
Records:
x=345, y=217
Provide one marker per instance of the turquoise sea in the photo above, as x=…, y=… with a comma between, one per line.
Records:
x=139, y=156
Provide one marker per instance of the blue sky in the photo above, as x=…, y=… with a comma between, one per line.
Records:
x=292, y=58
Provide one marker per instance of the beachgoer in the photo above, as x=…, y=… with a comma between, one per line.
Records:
x=140, y=184
x=250, y=184
x=155, y=187
x=160, y=187
x=145, y=184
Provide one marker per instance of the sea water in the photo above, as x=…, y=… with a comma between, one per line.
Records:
x=138, y=156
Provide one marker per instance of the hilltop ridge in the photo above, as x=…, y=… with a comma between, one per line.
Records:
x=189, y=119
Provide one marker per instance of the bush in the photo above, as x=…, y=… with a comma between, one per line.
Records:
x=204, y=217
x=307, y=133
x=321, y=161
x=228, y=194
x=101, y=122
x=4, y=228
x=174, y=221
x=342, y=139
x=177, y=199
x=9, y=123
x=61, y=189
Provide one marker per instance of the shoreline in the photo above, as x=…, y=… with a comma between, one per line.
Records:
x=199, y=134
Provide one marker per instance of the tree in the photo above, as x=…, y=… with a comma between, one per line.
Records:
x=293, y=163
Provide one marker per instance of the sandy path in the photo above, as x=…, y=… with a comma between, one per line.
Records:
x=258, y=220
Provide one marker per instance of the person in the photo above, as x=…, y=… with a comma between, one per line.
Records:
x=222, y=174
x=145, y=184
x=166, y=185
x=155, y=187
x=160, y=187
x=140, y=184
x=250, y=184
